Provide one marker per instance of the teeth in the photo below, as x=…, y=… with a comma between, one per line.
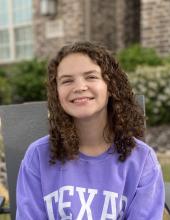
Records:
x=81, y=100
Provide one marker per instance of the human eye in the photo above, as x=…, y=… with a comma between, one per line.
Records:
x=92, y=76
x=66, y=81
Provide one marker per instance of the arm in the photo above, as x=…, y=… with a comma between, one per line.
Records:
x=148, y=201
x=30, y=204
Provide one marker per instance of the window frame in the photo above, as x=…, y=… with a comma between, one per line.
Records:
x=11, y=27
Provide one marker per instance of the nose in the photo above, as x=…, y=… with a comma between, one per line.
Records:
x=80, y=86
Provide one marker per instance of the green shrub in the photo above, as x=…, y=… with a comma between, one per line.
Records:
x=2, y=72
x=5, y=90
x=28, y=81
x=154, y=83
x=135, y=55
x=166, y=60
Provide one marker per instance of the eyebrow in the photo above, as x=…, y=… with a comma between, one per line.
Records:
x=70, y=75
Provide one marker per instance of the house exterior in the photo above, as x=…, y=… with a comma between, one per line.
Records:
x=39, y=28
x=155, y=25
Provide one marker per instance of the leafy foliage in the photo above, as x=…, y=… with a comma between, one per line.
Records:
x=28, y=81
x=154, y=83
x=135, y=55
x=5, y=90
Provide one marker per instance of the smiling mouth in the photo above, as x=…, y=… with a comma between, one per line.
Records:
x=81, y=100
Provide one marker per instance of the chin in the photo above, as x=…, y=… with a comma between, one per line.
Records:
x=82, y=116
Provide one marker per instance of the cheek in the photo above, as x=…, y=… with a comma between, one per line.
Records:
x=104, y=90
x=106, y=93
x=62, y=95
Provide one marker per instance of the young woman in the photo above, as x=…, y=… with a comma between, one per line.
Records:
x=92, y=165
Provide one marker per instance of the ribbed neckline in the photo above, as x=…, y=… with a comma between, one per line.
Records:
x=100, y=157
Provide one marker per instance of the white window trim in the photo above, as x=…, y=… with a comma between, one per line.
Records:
x=11, y=28
x=11, y=31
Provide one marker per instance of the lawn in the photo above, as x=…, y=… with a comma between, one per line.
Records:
x=165, y=165
x=166, y=172
x=5, y=217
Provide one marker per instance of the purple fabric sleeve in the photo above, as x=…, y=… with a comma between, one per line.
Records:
x=30, y=203
x=148, y=201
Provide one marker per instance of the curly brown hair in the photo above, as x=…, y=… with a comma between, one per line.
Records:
x=125, y=117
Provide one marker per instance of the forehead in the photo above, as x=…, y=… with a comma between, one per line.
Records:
x=77, y=63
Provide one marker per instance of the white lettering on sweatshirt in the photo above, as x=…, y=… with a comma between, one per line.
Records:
x=86, y=199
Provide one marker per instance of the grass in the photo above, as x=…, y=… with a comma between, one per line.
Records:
x=165, y=165
x=166, y=172
x=166, y=216
x=5, y=217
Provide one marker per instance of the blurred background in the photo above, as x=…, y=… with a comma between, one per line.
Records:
x=136, y=31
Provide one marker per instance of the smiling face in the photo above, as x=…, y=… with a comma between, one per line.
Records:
x=82, y=91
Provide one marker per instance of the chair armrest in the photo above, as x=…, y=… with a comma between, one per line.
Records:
x=167, y=208
x=2, y=201
x=3, y=210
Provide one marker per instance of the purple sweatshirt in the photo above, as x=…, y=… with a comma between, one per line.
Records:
x=90, y=188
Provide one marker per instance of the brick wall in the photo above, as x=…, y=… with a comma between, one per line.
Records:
x=70, y=16
x=127, y=23
x=114, y=23
x=103, y=22
x=155, y=25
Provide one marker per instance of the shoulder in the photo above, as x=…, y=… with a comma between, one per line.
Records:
x=145, y=150
x=142, y=146
x=146, y=156
x=37, y=151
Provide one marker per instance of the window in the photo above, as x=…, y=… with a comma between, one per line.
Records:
x=16, y=35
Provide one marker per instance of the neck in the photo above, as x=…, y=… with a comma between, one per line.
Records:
x=90, y=132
